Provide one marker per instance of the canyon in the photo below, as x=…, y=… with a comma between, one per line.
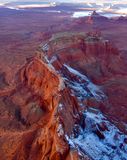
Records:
x=63, y=92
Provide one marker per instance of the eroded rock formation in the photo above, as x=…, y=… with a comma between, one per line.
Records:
x=33, y=123
x=54, y=110
x=99, y=60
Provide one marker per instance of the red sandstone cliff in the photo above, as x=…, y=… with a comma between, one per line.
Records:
x=37, y=125
x=50, y=112
x=99, y=60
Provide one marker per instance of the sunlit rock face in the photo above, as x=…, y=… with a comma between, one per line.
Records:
x=95, y=71
x=89, y=53
x=68, y=102
x=36, y=114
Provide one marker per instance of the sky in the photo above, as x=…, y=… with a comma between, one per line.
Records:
x=88, y=1
x=67, y=0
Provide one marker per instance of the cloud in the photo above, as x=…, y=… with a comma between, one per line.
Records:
x=74, y=1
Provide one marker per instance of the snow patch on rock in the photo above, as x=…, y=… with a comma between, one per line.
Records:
x=45, y=47
x=99, y=138
x=53, y=59
x=60, y=130
x=51, y=67
x=60, y=107
x=83, y=87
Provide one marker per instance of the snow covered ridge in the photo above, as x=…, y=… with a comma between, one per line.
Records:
x=94, y=135
x=80, y=86
x=83, y=87
x=99, y=138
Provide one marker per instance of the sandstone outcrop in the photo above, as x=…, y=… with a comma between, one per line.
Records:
x=55, y=108
x=99, y=60
x=40, y=111
x=95, y=18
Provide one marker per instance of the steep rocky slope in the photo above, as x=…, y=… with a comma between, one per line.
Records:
x=100, y=61
x=66, y=103
x=84, y=59
x=32, y=123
